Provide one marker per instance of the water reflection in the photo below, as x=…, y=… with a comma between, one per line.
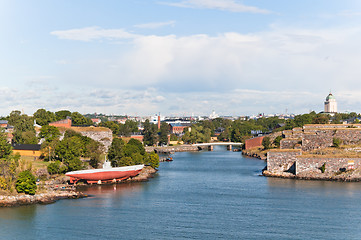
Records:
x=19, y=213
x=315, y=187
x=108, y=194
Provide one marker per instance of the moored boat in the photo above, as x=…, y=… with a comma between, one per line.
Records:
x=105, y=174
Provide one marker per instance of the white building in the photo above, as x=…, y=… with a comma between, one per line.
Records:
x=330, y=104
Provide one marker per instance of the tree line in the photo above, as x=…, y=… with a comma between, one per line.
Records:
x=241, y=129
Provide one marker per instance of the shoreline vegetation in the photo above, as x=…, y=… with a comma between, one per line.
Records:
x=56, y=189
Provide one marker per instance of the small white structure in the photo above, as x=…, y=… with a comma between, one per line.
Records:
x=213, y=115
x=330, y=104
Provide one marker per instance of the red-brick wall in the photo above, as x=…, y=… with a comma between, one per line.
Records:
x=253, y=142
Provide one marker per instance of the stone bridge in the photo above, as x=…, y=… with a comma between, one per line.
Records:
x=210, y=145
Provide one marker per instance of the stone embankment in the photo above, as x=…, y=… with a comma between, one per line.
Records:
x=172, y=149
x=348, y=176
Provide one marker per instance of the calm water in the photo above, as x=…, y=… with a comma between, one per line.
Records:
x=204, y=195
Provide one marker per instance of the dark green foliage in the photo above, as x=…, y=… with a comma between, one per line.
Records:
x=24, y=131
x=44, y=117
x=153, y=160
x=116, y=152
x=266, y=142
x=137, y=158
x=163, y=134
x=125, y=161
x=74, y=146
x=277, y=141
x=323, y=168
x=26, y=183
x=132, y=153
x=149, y=133
x=63, y=114
x=121, y=129
x=49, y=133
x=128, y=128
x=321, y=119
x=198, y=134
x=336, y=142
x=174, y=137
x=80, y=120
x=5, y=147
x=114, y=126
x=56, y=168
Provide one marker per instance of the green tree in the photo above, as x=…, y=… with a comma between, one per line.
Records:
x=137, y=144
x=153, y=160
x=49, y=133
x=163, y=135
x=277, y=141
x=149, y=133
x=115, y=152
x=69, y=151
x=128, y=128
x=266, y=142
x=78, y=119
x=44, y=117
x=24, y=131
x=114, y=126
x=63, y=114
x=137, y=158
x=54, y=167
x=26, y=183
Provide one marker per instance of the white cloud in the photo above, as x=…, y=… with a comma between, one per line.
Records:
x=271, y=70
x=154, y=25
x=225, y=5
x=93, y=33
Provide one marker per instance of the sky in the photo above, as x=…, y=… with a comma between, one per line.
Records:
x=179, y=57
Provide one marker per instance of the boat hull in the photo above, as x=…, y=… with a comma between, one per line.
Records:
x=105, y=175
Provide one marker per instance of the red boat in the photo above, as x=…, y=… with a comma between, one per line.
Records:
x=105, y=174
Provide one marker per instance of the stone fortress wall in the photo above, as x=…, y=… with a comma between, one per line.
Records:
x=293, y=158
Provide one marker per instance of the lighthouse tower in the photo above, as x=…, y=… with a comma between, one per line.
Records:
x=330, y=104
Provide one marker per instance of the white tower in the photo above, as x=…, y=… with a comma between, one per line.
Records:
x=330, y=104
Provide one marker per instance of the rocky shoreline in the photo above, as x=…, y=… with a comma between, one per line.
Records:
x=54, y=190
x=40, y=198
x=254, y=154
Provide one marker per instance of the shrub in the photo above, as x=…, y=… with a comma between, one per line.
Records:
x=323, y=168
x=26, y=183
x=3, y=184
x=154, y=160
x=266, y=142
x=53, y=167
x=336, y=142
x=277, y=141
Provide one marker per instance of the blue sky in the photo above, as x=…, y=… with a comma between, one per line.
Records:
x=179, y=57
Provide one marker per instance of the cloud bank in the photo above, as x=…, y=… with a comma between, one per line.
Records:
x=224, y=5
x=231, y=72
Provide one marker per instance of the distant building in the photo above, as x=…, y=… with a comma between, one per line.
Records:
x=214, y=115
x=253, y=142
x=96, y=120
x=330, y=104
x=178, y=128
x=3, y=123
x=30, y=150
x=66, y=123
